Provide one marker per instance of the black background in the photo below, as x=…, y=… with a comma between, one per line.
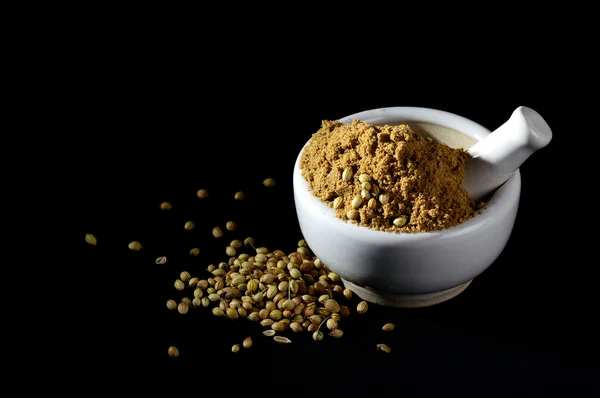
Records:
x=157, y=128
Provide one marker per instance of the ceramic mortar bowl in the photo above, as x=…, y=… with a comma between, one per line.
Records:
x=408, y=269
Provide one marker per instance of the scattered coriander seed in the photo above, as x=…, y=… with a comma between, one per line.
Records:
x=205, y=302
x=364, y=178
x=388, y=327
x=331, y=324
x=230, y=251
x=173, y=352
x=185, y=276
x=336, y=333
x=374, y=190
x=232, y=313
x=230, y=226
x=182, y=308
x=202, y=193
x=269, y=333
x=356, y=202
x=179, y=285
x=217, y=232
x=366, y=186
x=353, y=215
x=236, y=244
x=295, y=273
x=400, y=221
x=365, y=194
x=198, y=293
x=196, y=302
x=171, y=304
x=362, y=307
x=194, y=252
x=384, y=198
x=189, y=225
x=372, y=204
x=217, y=311
x=161, y=260
x=211, y=268
x=240, y=195
x=269, y=182
x=135, y=246
x=235, y=348
x=91, y=239
x=282, y=340
x=317, y=335
x=165, y=206
x=187, y=301
x=347, y=174
x=384, y=348
x=332, y=305
x=344, y=310
x=247, y=343
x=338, y=202
x=347, y=293
x=193, y=281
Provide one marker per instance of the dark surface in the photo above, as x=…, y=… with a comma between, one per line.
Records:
x=525, y=324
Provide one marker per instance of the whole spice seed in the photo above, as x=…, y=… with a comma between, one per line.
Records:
x=230, y=251
x=179, y=285
x=194, y=252
x=173, y=352
x=400, y=221
x=230, y=226
x=269, y=332
x=247, y=343
x=187, y=301
x=165, y=206
x=249, y=241
x=384, y=348
x=347, y=174
x=337, y=333
x=202, y=193
x=161, y=260
x=217, y=232
x=182, y=308
x=171, y=304
x=388, y=327
x=239, y=195
x=352, y=215
x=218, y=311
x=235, y=348
x=356, y=202
x=362, y=307
x=338, y=202
x=196, y=302
x=372, y=204
x=184, y=276
x=192, y=282
x=282, y=340
x=348, y=293
x=269, y=182
x=189, y=225
x=331, y=324
x=91, y=239
x=135, y=246
x=317, y=335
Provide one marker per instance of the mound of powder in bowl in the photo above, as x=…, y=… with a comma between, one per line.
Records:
x=388, y=178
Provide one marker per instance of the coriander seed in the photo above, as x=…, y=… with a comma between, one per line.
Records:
x=372, y=204
x=269, y=182
x=179, y=285
x=236, y=244
x=353, y=215
x=347, y=174
x=202, y=193
x=336, y=333
x=165, y=206
x=230, y=226
x=362, y=307
x=135, y=246
x=194, y=252
x=240, y=195
x=388, y=327
x=218, y=311
x=347, y=293
x=91, y=239
x=235, y=348
x=365, y=194
x=317, y=335
x=282, y=340
x=338, y=202
x=400, y=221
x=247, y=343
x=249, y=241
x=269, y=333
x=184, y=276
x=384, y=198
x=230, y=251
x=356, y=202
x=182, y=308
x=375, y=190
x=364, y=178
x=217, y=232
x=161, y=260
x=171, y=304
x=384, y=348
x=189, y=225
x=173, y=352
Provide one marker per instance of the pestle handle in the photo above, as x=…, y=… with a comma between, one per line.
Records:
x=496, y=157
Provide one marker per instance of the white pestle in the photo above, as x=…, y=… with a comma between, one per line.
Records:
x=495, y=158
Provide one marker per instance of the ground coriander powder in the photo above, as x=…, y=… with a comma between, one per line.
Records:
x=417, y=183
